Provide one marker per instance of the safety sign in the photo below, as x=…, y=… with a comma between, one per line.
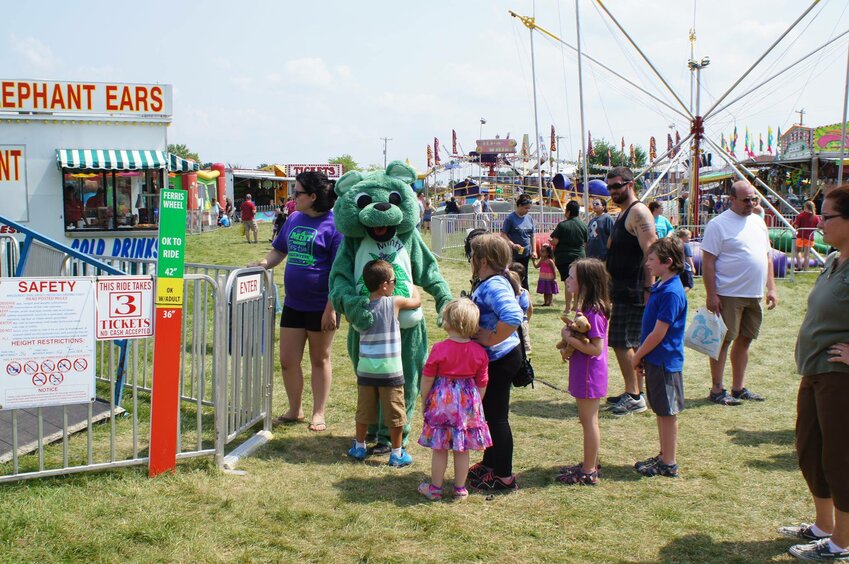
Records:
x=47, y=341
x=124, y=307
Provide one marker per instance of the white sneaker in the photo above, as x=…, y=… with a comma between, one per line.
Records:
x=628, y=405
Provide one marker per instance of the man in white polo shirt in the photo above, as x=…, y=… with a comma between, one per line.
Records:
x=736, y=267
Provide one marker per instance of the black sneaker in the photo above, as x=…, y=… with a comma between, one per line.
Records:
x=613, y=400
x=379, y=449
x=658, y=469
x=746, y=394
x=490, y=483
x=817, y=550
x=801, y=531
x=724, y=398
x=477, y=471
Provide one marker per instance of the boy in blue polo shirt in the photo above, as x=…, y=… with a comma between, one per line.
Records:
x=661, y=353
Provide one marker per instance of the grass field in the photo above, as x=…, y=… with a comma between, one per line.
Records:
x=302, y=500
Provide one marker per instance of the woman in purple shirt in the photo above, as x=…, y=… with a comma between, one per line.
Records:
x=310, y=240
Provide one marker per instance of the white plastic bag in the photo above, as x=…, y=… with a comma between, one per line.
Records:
x=706, y=333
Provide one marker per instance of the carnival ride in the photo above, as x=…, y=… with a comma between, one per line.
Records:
x=696, y=141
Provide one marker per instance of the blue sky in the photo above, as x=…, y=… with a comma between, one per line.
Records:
x=289, y=82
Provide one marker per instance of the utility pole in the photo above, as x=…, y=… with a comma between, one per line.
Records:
x=801, y=116
x=559, y=137
x=385, y=140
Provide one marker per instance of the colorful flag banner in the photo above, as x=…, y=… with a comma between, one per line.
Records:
x=609, y=158
x=526, y=149
x=553, y=140
x=769, y=140
x=677, y=141
x=669, y=144
x=652, y=149
x=777, y=141
x=633, y=159
x=454, y=142
x=760, y=143
x=590, y=150
x=436, y=159
x=429, y=157
x=734, y=142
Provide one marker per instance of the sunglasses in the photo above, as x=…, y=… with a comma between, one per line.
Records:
x=299, y=192
x=617, y=185
x=826, y=216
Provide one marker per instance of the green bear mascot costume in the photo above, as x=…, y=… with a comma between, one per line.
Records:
x=378, y=213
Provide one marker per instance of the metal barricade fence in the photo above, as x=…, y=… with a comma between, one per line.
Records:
x=200, y=221
x=226, y=368
x=245, y=356
x=9, y=254
x=448, y=234
x=448, y=231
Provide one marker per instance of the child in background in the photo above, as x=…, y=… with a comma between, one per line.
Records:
x=589, y=282
x=547, y=284
x=454, y=382
x=380, y=375
x=661, y=353
x=517, y=272
x=689, y=266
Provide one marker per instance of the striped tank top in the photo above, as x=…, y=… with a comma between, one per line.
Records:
x=380, y=347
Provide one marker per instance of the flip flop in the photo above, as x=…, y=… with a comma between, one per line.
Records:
x=317, y=427
x=282, y=420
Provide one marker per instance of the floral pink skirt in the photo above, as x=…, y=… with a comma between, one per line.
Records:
x=453, y=417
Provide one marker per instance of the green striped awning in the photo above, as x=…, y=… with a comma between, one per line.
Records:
x=179, y=164
x=111, y=159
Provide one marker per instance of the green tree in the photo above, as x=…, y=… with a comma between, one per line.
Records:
x=347, y=161
x=183, y=151
x=617, y=157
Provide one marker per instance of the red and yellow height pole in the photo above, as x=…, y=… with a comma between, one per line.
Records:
x=167, y=339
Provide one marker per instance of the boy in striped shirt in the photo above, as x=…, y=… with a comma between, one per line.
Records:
x=380, y=375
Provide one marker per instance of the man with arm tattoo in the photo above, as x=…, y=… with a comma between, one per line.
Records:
x=633, y=233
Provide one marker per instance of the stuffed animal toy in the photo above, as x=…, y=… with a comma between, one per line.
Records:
x=578, y=328
x=377, y=213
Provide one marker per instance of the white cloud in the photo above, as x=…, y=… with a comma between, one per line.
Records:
x=310, y=71
x=35, y=53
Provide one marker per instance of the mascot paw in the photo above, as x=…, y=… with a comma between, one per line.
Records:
x=362, y=320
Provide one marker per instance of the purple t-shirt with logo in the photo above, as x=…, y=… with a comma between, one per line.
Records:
x=310, y=244
x=588, y=374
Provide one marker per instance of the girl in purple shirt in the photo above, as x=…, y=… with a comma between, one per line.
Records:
x=588, y=281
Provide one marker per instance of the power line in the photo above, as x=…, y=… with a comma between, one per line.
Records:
x=385, y=140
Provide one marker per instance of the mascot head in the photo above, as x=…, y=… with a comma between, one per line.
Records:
x=380, y=204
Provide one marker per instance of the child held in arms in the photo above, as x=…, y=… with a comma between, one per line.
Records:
x=380, y=374
x=661, y=354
